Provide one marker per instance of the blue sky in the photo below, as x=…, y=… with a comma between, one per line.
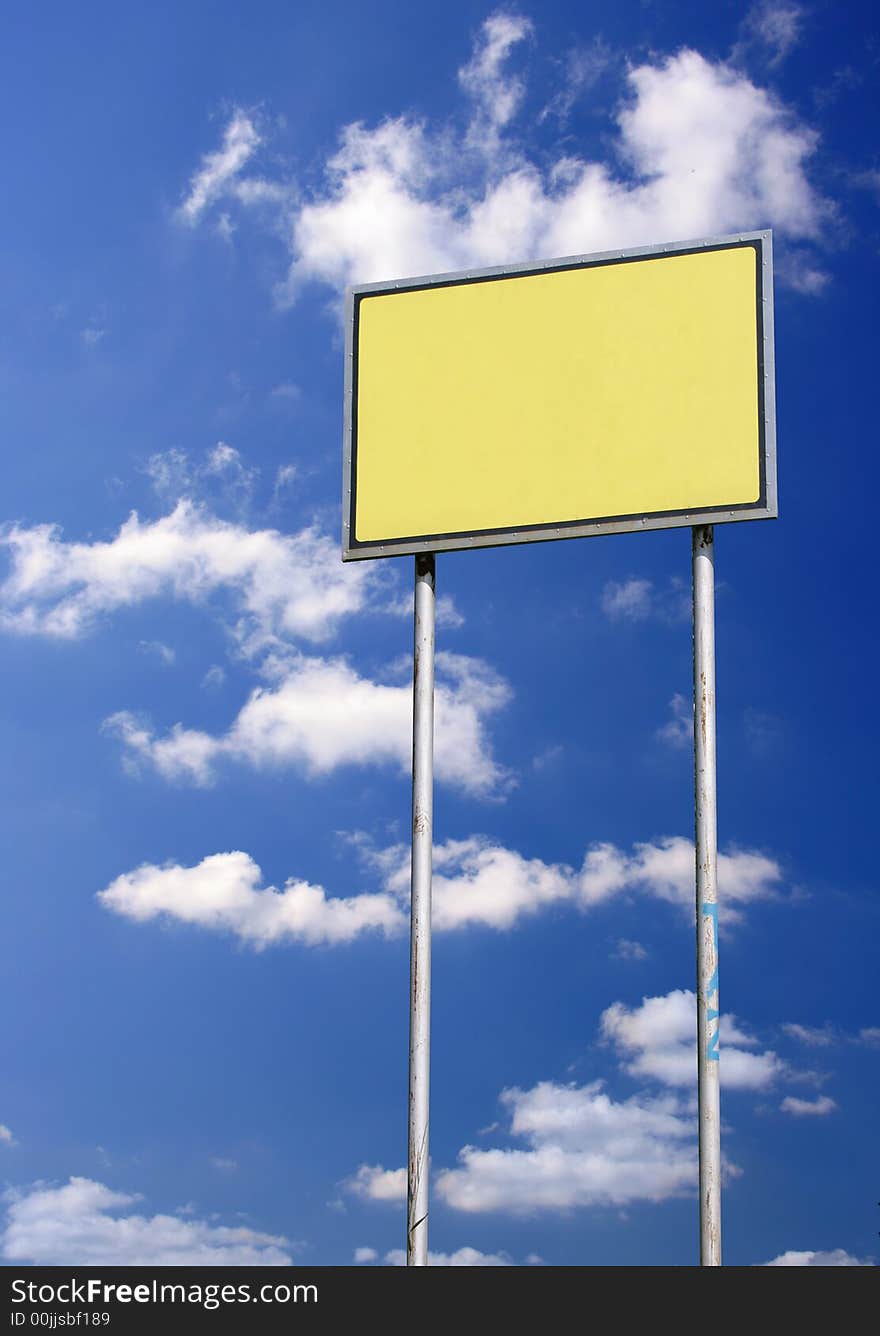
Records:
x=206, y=716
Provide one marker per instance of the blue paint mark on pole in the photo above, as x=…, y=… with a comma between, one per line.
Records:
x=712, y=1012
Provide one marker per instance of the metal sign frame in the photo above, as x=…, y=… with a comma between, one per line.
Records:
x=766, y=507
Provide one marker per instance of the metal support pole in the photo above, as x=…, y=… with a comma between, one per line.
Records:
x=706, y=849
x=420, y=915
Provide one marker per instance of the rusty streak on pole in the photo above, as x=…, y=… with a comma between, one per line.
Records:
x=706, y=853
x=420, y=914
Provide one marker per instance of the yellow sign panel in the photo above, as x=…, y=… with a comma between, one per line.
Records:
x=602, y=393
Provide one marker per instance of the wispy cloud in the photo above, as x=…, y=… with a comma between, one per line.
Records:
x=486, y=79
x=771, y=28
x=222, y=167
x=678, y=732
x=808, y=1108
x=637, y=599
x=582, y=68
x=626, y=949
x=831, y=1036
x=159, y=650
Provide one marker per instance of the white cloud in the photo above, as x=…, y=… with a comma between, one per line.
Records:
x=92, y=335
x=284, y=479
x=225, y=463
x=321, y=714
x=813, y=1036
x=283, y=586
x=219, y=169
x=164, y=653
x=678, y=732
x=628, y=600
x=808, y=1108
x=582, y=68
x=828, y=1035
x=6, y=1135
x=775, y=26
x=476, y=882
x=629, y=950
x=638, y=600
x=447, y=615
x=376, y=1183
x=837, y=1257
x=657, y=1041
x=665, y=869
x=700, y=149
x=214, y=677
x=225, y=1163
x=287, y=389
x=80, y=1224
x=583, y=1149
x=223, y=893
x=496, y=93
x=461, y=1257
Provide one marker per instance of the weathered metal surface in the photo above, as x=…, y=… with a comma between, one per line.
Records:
x=420, y=914
x=706, y=851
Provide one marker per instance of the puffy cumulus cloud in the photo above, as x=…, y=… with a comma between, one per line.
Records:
x=699, y=149
x=283, y=586
x=6, y=1136
x=702, y=151
x=808, y=1108
x=321, y=714
x=477, y=882
x=82, y=1224
x=657, y=1041
x=583, y=1148
x=461, y=1257
x=223, y=893
x=665, y=869
x=837, y=1257
x=374, y=1182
